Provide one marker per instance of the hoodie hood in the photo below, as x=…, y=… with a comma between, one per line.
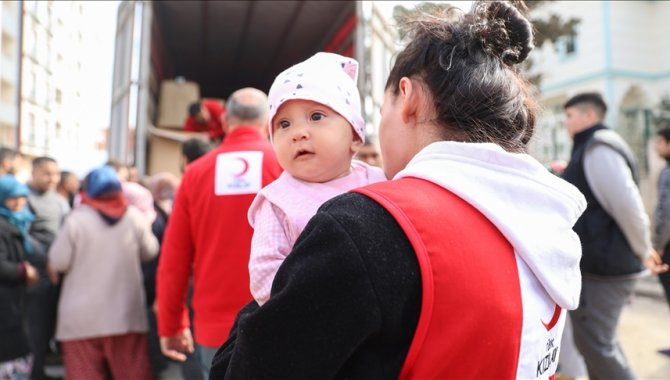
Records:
x=534, y=209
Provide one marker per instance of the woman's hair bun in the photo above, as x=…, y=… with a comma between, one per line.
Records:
x=502, y=30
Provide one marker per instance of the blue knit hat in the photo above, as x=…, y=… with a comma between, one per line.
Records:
x=102, y=182
x=10, y=187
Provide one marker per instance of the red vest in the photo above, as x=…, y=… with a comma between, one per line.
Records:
x=470, y=323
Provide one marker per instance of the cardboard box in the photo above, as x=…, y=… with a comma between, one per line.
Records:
x=174, y=99
x=165, y=150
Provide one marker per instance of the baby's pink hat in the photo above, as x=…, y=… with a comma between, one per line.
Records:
x=326, y=78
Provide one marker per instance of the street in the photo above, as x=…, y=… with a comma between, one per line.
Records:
x=645, y=329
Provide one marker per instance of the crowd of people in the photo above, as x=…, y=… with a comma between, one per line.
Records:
x=297, y=246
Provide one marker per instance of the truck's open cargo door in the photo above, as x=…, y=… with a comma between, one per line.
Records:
x=120, y=112
x=130, y=99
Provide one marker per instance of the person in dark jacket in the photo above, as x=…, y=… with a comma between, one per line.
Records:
x=662, y=213
x=15, y=275
x=464, y=264
x=614, y=231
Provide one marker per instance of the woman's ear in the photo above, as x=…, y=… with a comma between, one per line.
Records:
x=409, y=99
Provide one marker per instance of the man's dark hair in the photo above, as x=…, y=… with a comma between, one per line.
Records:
x=7, y=153
x=64, y=176
x=194, y=108
x=38, y=161
x=665, y=133
x=592, y=99
x=194, y=148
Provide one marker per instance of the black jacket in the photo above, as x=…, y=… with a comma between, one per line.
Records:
x=13, y=338
x=605, y=249
x=356, y=261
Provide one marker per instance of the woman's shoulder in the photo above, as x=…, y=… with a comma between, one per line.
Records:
x=7, y=228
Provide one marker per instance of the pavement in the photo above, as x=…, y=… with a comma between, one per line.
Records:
x=645, y=329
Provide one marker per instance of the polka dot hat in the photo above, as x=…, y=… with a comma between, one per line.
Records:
x=326, y=78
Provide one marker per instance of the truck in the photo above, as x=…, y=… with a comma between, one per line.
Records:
x=222, y=46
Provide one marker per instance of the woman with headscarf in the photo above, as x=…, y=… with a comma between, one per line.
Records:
x=102, y=320
x=16, y=274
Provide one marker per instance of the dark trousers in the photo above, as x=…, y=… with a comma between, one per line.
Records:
x=665, y=277
x=41, y=305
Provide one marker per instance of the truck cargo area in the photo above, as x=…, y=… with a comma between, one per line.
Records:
x=172, y=53
x=226, y=45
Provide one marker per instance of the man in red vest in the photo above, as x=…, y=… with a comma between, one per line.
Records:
x=208, y=234
x=206, y=116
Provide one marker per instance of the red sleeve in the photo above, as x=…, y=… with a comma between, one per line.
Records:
x=214, y=108
x=174, y=267
x=191, y=126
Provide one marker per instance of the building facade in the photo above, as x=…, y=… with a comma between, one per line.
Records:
x=51, y=68
x=10, y=58
x=620, y=49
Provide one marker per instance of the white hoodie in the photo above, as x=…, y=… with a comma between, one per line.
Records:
x=535, y=211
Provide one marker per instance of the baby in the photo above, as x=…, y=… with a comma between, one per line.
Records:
x=316, y=128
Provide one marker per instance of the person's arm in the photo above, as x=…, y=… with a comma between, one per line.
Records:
x=314, y=319
x=269, y=248
x=147, y=240
x=174, y=270
x=11, y=272
x=344, y=303
x=62, y=249
x=662, y=213
x=611, y=181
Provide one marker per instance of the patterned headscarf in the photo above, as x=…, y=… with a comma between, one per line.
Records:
x=10, y=187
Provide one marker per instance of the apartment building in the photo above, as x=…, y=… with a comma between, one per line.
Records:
x=620, y=49
x=10, y=58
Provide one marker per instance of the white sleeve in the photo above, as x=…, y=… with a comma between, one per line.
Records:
x=611, y=181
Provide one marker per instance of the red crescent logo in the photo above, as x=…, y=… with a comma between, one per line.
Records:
x=554, y=319
x=245, y=167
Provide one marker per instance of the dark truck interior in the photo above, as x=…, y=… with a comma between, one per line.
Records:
x=226, y=45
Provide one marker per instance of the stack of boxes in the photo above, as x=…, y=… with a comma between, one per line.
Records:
x=165, y=141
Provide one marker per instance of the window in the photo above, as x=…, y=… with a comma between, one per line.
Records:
x=8, y=6
x=566, y=46
x=31, y=129
x=7, y=45
x=32, y=86
x=6, y=92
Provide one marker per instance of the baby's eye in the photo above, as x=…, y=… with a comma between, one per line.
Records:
x=317, y=116
x=283, y=124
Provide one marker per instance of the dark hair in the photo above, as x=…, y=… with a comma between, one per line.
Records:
x=7, y=153
x=665, y=133
x=64, y=176
x=592, y=99
x=193, y=148
x=38, y=161
x=194, y=108
x=467, y=62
